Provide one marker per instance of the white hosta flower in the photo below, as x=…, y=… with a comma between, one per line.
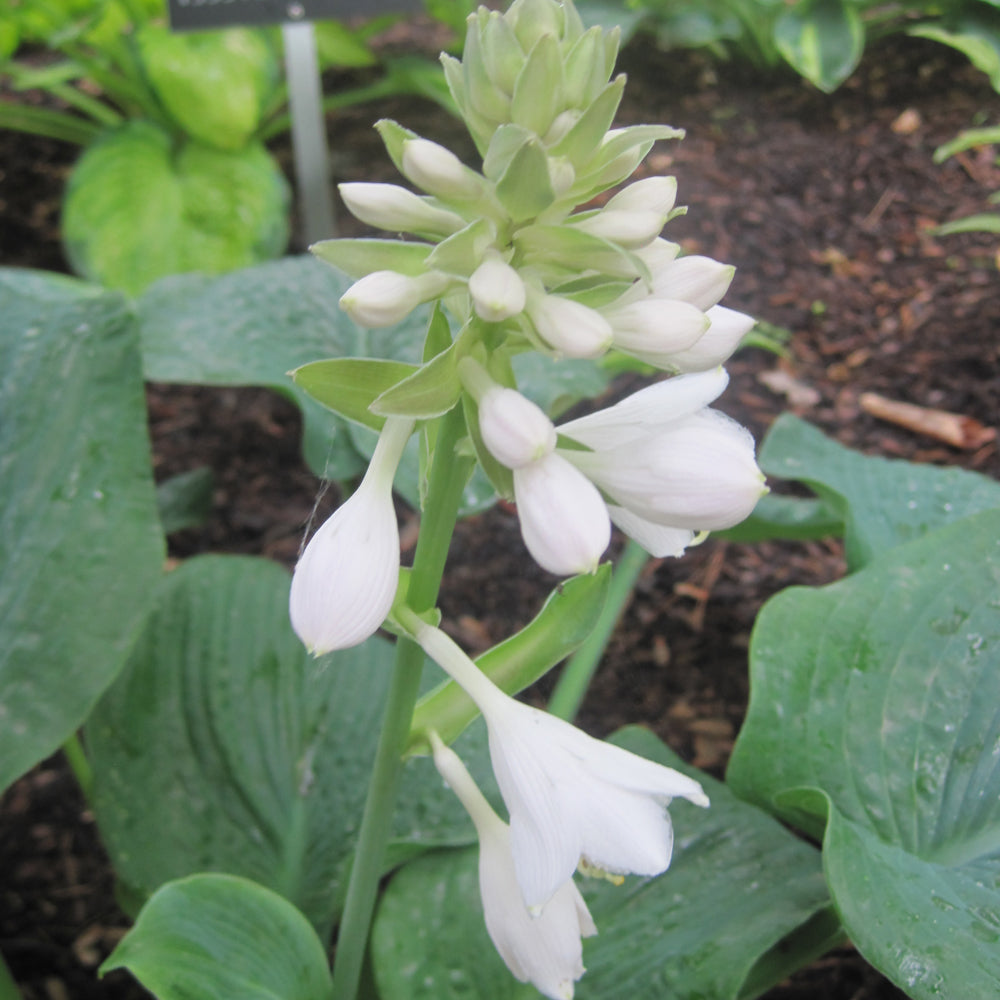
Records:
x=665, y=458
x=438, y=171
x=629, y=228
x=564, y=521
x=717, y=344
x=345, y=581
x=514, y=429
x=496, y=290
x=389, y=206
x=386, y=297
x=571, y=329
x=571, y=798
x=545, y=950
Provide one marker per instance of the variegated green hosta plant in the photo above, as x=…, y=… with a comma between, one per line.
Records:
x=527, y=254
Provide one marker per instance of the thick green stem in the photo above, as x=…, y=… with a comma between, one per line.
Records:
x=8, y=988
x=447, y=481
x=579, y=670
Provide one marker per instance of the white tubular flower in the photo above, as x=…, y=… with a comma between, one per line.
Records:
x=672, y=462
x=389, y=206
x=386, y=297
x=571, y=798
x=569, y=328
x=545, y=950
x=345, y=581
x=514, y=429
x=697, y=280
x=654, y=329
x=717, y=343
x=438, y=171
x=496, y=289
x=564, y=521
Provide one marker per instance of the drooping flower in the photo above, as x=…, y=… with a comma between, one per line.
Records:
x=571, y=798
x=543, y=949
x=345, y=581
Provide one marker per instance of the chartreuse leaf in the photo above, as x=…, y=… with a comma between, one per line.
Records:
x=217, y=937
x=253, y=326
x=349, y=386
x=360, y=257
x=739, y=886
x=525, y=190
x=80, y=540
x=883, y=502
x=565, y=620
x=224, y=747
x=876, y=701
x=822, y=39
x=433, y=389
x=214, y=84
x=140, y=206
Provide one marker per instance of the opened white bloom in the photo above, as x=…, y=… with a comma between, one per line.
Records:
x=345, y=581
x=389, y=206
x=571, y=798
x=386, y=297
x=545, y=950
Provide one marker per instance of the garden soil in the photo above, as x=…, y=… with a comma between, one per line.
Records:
x=827, y=205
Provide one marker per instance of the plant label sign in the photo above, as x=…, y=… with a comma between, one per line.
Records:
x=197, y=15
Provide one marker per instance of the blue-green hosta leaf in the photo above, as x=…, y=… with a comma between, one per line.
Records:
x=224, y=747
x=216, y=937
x=739, y=886
x=878, y=699
x=214, y=84
x=80, y=541
x=822, y=39
x=254, y=326
x=138, y=208
x=883, y=502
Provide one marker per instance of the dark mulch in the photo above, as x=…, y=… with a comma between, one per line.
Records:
x=827, y=205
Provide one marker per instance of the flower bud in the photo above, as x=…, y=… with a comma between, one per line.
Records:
x=569, y=328
x=388, y=206
x=345, y=581
x=514, y=429
x=497, y=290
x=653, y=330
x=724, y=335
x=629, y=229
x=438, y=171
x=564, y=522
x=651, y=194
x=698, y=280
x=386, y=297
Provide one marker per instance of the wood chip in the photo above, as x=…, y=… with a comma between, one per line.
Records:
x=952, y=428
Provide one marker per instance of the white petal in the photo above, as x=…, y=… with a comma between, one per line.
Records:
x=660, y=254
x=346, y=579
x=717, y=343
x=654, y=407
x=497, y=290
x=564, y=521
x=514, y=429
x=658, y=540
x=698, y=280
